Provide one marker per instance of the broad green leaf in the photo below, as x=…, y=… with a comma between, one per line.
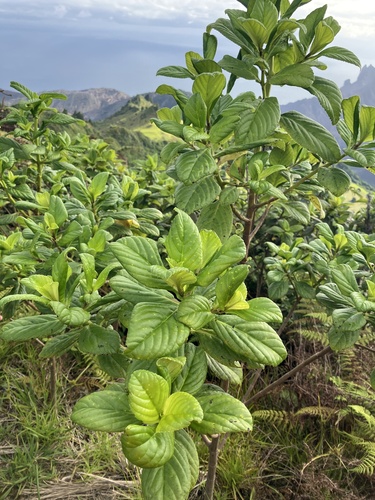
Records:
x=194, y=372
x=228, y=284
x=331, y=296
x=261, y=309
x=175, y=479
x=98, y=241
x=61, y=272
x=223, y=128
x=170, y=127
x=329, y=96
x=191, y=134
x=278, y=289
x=335, y=180
x=56, y=346
x=205, y=66
x=180, y=97
x=107, y=411
x=256, y=31
x=58, y=210
x=136, y=255
x=350, y=110
x=344, y=278
x=298, y=75
x=174, y=72
x=154, y=331
x=183, y=243
x=210, y=244
x=189, y=58
x=256, y=341
x=348, y=320
x=22, y=296
x=79, y=190
x=304, y=290
x=98, y=184
x=210, y=87
x=116, y=365
x=259, y=124
x=88, y=264
x=194, y=311
x=196, y=111
x=341, y=54
x=234, y=374
x=179, y=278
x=194, y=165
x=148, y=393
x=132, y=291
x=217, y=217
x=197, y=195
x=144, y=447
x=231, y=252
x=239, y=68
x=366, y=123
x=32, y=327
x=342, y=339
x=311, y=22
x=98, y=340
x=180, y=409
x=311, y=135
x=222, y=413
x=218, y=350
x=71, y=316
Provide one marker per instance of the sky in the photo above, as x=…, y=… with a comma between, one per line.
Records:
x=81, y=44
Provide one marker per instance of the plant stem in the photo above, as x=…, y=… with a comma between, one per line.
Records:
x=292, y=372
x=212, y=466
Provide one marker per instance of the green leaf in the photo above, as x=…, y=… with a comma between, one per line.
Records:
x=256, y=341
x=57, y=210
x=348, y=320
x=98, y=184
x=194, y=311
x=183, y=243
x=324, y=35
x=335, y=180
x=342, y=339
x=107, y=411
x=222, y=413
x=234, y=374
x=210, y=87
x=148, y=393
x=311, y=135
x=180, y=409
x=344, y=278
x=44, y=285
x=56, y=346
x=154, y=331
x=278, y=289
x=31, y=327
x=134, y=292
x=170, y=368
x=329, y=95
x=210, y=244
x=239, y=68
x=222, y=129
x=259, y=124
x=79, y=190
x=298, y=75
x=197, y=195
x=73, y=316
x=98, y=340
x=180, y=97
x=209, y=45
x=194, y=372
x=261, y=309
x=217, y=217
x=228, y=284
x=174, y=72
x=366, y=123
x=341, y=54
x=144, y=447
x=137, y=255
x=194, y=165
x=196, y=111
x=175, y=479
x=115, y=365
x=232, y=251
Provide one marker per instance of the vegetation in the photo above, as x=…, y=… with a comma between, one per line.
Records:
x=226, y=290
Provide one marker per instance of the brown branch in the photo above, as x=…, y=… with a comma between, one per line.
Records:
x=290, y=373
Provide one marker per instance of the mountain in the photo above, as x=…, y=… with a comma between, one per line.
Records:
x=94, y=104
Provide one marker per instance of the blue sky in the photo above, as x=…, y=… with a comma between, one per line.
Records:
x=79, y=44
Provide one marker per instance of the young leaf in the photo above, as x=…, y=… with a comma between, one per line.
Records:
x=194, y=311
x=261, y=309
x=179, y=411
x=183, y=243
x=148, y=393
x=329, y=95
x=144, y=447
x=196, y=111
x=217, y=217
x=298, y=75
x=194, y=372
x=210, y=87
x=335, y=180
x=107, y=411
x=228, y=284
x=259, y=124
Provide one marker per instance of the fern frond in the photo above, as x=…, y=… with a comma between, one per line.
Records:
x=366, y=464
x=277, y=417
x=324, y=412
